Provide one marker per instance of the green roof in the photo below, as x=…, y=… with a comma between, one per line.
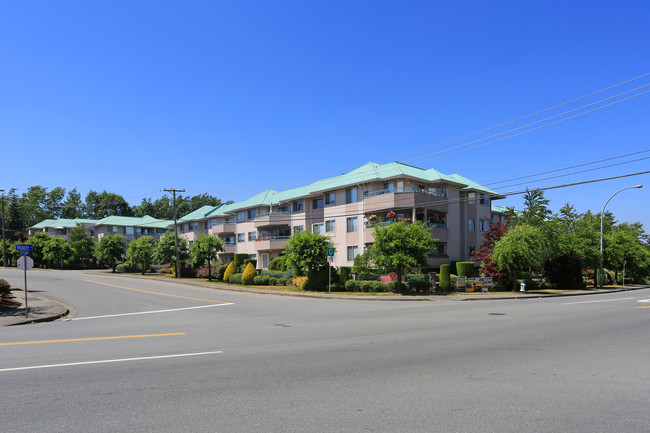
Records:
x=499, y=209
x=198, y=214
x=145, y=221
x=63, y=223
x=471, y=185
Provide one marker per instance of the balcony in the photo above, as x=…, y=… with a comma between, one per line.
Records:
x=223, y=227
x=269, y=219
x=403, y=198
x=271, y=243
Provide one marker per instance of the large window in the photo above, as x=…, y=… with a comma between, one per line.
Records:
x=352, y=224
x=317, y=203
x=241, y=216
x=389, y=186
x=484, y=225
x=251, y=214
x=470, y=225
x=130, y=231
x=297, y=206
x=241, y=237
x=330, y=226
x=352, y=253
x=330, y=198
x=351, y=195
x=298, y=229
x=252, y=236
x=317, y=228
x=484, y=199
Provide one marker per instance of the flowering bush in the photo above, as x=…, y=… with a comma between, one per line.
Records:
x=391, y=214
x=299, y=282
x=372, y=218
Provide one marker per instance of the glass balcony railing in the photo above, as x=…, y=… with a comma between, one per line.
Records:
x=404, y=190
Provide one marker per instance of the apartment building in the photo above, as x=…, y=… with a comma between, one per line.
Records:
x=348, y=207
x=130, y=227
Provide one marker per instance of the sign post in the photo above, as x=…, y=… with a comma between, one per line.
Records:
x=330, y=259
x=25, y=262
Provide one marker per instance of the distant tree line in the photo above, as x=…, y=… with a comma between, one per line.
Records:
x=38, y=204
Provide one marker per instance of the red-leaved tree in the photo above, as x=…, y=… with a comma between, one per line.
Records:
x=495, y=231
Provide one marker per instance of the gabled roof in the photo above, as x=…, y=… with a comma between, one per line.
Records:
x=471, y=185
x=263, y=198
x=63, y=223
x=198, y=214
x=145, y=221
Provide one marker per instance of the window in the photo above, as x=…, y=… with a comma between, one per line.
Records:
x=317, y=203
x=470, y=225
x=252, y=236
x=298, y=229
x=251, y=214
x=330, y=198
x=138, y=231
x=228, y=220
x=352, y=224
x=241, y=216
x=317, y=228
x=437, y=189
x=389, y=186
x=112, y=229
x=471, y=198
x=283, y=209
x=241, y=237
x=352, y=253
x=330, y=226
x=484, y=199
x=351, y=195
x=297, y=206
x=484, y=225
x=130, y=231
x=440, y=249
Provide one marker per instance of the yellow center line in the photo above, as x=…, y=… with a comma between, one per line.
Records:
x=158, y=293
x=643, y=307
x=90, y=339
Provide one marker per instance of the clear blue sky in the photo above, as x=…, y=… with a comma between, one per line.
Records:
x=229, y=98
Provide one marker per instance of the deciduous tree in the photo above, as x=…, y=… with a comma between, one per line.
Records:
x=109, y=249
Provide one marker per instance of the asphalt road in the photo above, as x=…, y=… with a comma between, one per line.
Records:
x=139, y=355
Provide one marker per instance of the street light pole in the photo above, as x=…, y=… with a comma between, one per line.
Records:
x=174, y=191
x=602, y=270
x=4, y=242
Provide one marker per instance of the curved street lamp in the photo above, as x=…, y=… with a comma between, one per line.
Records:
x=601, y=232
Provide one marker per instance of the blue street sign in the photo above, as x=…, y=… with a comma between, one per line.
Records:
x=24, y=249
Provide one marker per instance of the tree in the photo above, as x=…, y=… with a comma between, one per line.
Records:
x=248, y=277
x=82, y=245
x=166, y=250
x=536, y=210
x=401, y=247
x=100, y=206
x=491, y=236
x=56, y=250
x=109, y=249
x=142, y=251
x=205, y=248
x=73, y=206
x=522, y=248
x=307, y=252
x=38, y=241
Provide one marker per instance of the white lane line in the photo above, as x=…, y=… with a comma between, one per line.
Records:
x=644, y=300
x=150, y=312
x=144, y=358
x=591, y=302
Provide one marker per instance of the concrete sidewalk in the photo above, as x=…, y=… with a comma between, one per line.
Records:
x=41, y=309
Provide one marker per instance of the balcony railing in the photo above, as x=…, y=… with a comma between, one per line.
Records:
x=276, y=213
x=273, y=238
x=408, y=189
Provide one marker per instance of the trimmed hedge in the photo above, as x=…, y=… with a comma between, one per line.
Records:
x=239, y=260
x=248, y=277
x=445, y=279
x=230, y=271
x=235, y=279
x=262, y=280
x=465, y=269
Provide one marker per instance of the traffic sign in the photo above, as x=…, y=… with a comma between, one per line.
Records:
x=330, y=259
x=330, y=252
x=25, y=262
x=24, y=249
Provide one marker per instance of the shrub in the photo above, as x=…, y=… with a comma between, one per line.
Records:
x=203, y=272
x=465, y=269
x=230, y=271
x=282, y=281
x=299, y=282
x=221, y=271
x=352, y=286
x=239, y=260
x=248, y=277
x=235, y=279
x=5, y=288
x=445, y=280
x=278, y=264
x=278, y=274
x=418, y=286
x=188, y=272
x=369, y=277
x=344, y=272
x=272, y=281
x=166, y=271
x=253, y=261
x=262, y=280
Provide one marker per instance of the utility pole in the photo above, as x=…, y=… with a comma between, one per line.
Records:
x=4, y=242
x=177, y=271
